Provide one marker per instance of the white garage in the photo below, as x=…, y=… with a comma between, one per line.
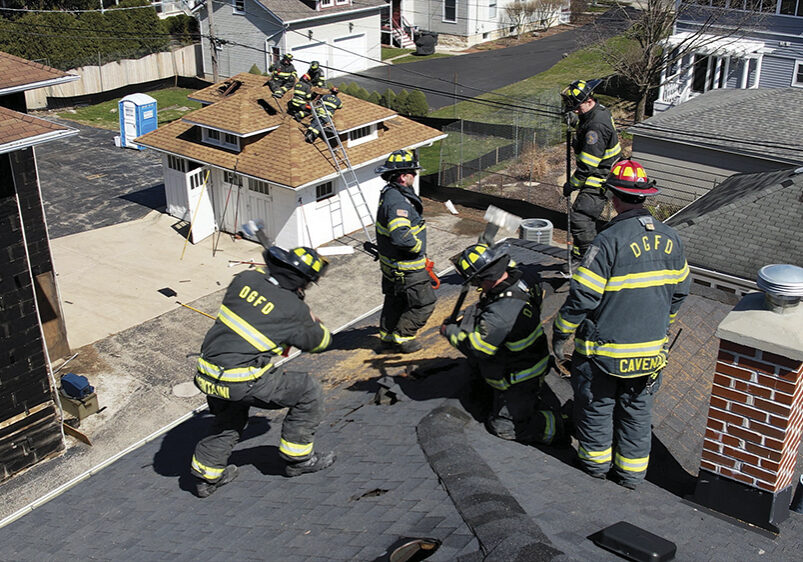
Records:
x=348, y=54
x=305, y=54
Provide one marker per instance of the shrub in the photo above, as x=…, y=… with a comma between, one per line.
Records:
x=375, y=97
x=254, y=69
x=389, y=98
x=400, y=105
x=417, y=105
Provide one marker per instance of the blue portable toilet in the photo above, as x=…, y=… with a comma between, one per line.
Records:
x=137, y=117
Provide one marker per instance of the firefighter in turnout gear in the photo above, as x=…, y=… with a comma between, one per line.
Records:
x=262, y=315
x=283, y=76
x=326, y=111
x=298, y=106
x=316, y=74
x=504, y=342
x=596, y=148
x=623, y=298
x=401, y=239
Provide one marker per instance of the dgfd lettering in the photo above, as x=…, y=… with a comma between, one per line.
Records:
x=652, y=243
x=251, y=296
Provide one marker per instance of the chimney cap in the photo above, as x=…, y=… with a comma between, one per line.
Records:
x=784, y=280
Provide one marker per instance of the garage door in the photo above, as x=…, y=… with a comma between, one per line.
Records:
x=348, y=54
x=305, y=54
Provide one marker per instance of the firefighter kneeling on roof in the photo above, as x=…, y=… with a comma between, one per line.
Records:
x=623, y=298
x=263, y=313
x=325, y=112
x=504, y=341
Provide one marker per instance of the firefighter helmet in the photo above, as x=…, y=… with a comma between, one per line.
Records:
x=305, y=77
x=303, y=260
x=314, y=65
x=287, y=56
x=399, y=161
x=628, y=179
x=577, y=92
x=478, y=262
x=334, y=90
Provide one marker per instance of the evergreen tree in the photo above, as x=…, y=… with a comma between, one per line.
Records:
x=400, y=105
x=375, y=97
x=254, y=70
x=389, y=98
x=417, y=105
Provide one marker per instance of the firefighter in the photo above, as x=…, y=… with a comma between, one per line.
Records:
x=504, y=341
x=316, y=74
x=401, y=239
x=283, y=76
x=329, y=103
x=596, y=148
x=262, y=315
x=298, y=105
x=623, y=298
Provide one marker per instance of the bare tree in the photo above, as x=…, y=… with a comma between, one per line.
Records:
x=520, y=13
x=644, y=57
x=545, y=12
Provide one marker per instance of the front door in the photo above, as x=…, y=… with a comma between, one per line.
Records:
x=201, y=215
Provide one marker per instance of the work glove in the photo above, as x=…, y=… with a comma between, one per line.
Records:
x=449, y=330
x=572, y=119
x=558, y=359
x=567, y=189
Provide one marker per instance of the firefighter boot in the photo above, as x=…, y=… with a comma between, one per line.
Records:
x=409, y=346
x=318, y=461
x=206, y=488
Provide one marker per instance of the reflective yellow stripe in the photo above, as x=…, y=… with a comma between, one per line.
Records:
x=456, y=339
x=237, y=374
x=535, y=371
x=589, y=159
x=549, y=428
x=325, y=341
x=564, y=326
x=672, y=317
x=398, y=222
x=247, y=331
x=295, y=449
x=620, y=350
x=575, y=181
x=631, y=465
x=599, y=457
x=476, y=341
x=208, y=472
x=404, y=265
x=417, y=247
x=589, y=279
x=526, y=342
x=657, y=278
x=593, y=181
x=498, y=384
x=611, y=152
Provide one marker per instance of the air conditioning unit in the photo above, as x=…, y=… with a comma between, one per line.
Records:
x=784, y=43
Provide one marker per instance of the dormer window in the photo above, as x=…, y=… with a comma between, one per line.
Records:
x=326, y=3
x=361, y=135
x=223, y=140
x=238, y=6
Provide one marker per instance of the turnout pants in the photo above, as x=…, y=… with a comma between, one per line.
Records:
x=613, y=419
x=409, y=302
x=281, y=86
x=299, y=392
x=587, y=208
x=515, y=415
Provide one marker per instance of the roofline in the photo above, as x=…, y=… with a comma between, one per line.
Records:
x=42, y=84
x=36, y=140
x=372, y=160
x=333, y=14
x=244, y=135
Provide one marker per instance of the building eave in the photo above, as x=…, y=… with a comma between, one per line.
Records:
x=28, y=142
x=335, y=14
x=41, y=84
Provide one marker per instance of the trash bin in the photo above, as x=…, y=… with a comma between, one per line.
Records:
x=536, y=230
x=425, y=43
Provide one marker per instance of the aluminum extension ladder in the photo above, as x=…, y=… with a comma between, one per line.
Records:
x=343, y=166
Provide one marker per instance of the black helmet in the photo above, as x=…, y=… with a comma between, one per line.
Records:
x=479, y=262
x=577, y=92
x=314, y=64
x=287, y=56
x=334, y=90
x=398, y=161
x=303, y=260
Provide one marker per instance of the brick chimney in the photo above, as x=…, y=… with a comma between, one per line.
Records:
x=755, y=415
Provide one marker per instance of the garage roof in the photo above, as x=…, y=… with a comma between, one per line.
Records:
x=292, y=10
x=18, y=130
x=18, y=74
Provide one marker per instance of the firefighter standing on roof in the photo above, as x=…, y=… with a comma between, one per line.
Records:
x=263, y=313
x=596, y=148
x=401, y=239
x=316, y=74
x=504, y=341
x=283, y=76
x=623, y=298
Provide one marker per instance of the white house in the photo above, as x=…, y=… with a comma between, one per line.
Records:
x=342, y=35
x=241, y=157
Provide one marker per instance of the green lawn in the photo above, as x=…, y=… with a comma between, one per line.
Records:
x=416, y=58
x=171, y=104
x=390, y=52
x=585, y=63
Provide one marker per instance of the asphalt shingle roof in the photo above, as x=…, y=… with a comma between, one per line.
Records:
x=291, y=10
x=16, y=126
x=15, y=72
x=748, y=221
x=757, y=122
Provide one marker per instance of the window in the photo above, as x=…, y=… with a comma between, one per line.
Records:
x=341, y=2
x=259, y=186
x=213, y=135
x=176, y=163
x=327, y=3
x=450, y=11
x=491, y=9
x=231, y=178
x=673, y=60
x=797, y=77
x=225, y=140
x=238, y=6
x=361, y=135
x=324, y=191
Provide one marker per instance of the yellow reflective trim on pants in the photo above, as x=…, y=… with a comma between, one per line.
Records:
x=564, y=326
x=589, y=279
x=295, y=449
x=536, y=370
x=209, y=473
x=549, y=428
x=498, y=384
x=599, y=457
x=526, y=342
x=631, y=465
x=246, y=331
x=476, y=341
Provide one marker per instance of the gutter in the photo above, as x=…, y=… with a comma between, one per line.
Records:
x=42, y=84
x=334, y=14
x=35, y=140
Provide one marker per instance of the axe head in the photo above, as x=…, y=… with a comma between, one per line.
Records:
x=497, y=218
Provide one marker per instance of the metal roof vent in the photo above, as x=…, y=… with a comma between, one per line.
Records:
x=783, y=285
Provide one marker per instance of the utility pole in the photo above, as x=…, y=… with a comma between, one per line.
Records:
x=210, y=10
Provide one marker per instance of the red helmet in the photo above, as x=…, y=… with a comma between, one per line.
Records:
x=305, y=77
x=629, y=178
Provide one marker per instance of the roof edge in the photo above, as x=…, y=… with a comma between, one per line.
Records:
x=28, y=142
x=41, y=84
x=334, y=14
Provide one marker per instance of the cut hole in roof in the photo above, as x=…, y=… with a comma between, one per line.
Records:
x=229, y=87
x=267, y=106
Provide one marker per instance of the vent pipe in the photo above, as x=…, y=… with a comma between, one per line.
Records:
x=782, y=285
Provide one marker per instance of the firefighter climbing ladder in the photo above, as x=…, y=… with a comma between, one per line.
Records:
x=343, y=166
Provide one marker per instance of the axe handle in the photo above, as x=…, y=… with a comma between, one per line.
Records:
x=459, y=304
